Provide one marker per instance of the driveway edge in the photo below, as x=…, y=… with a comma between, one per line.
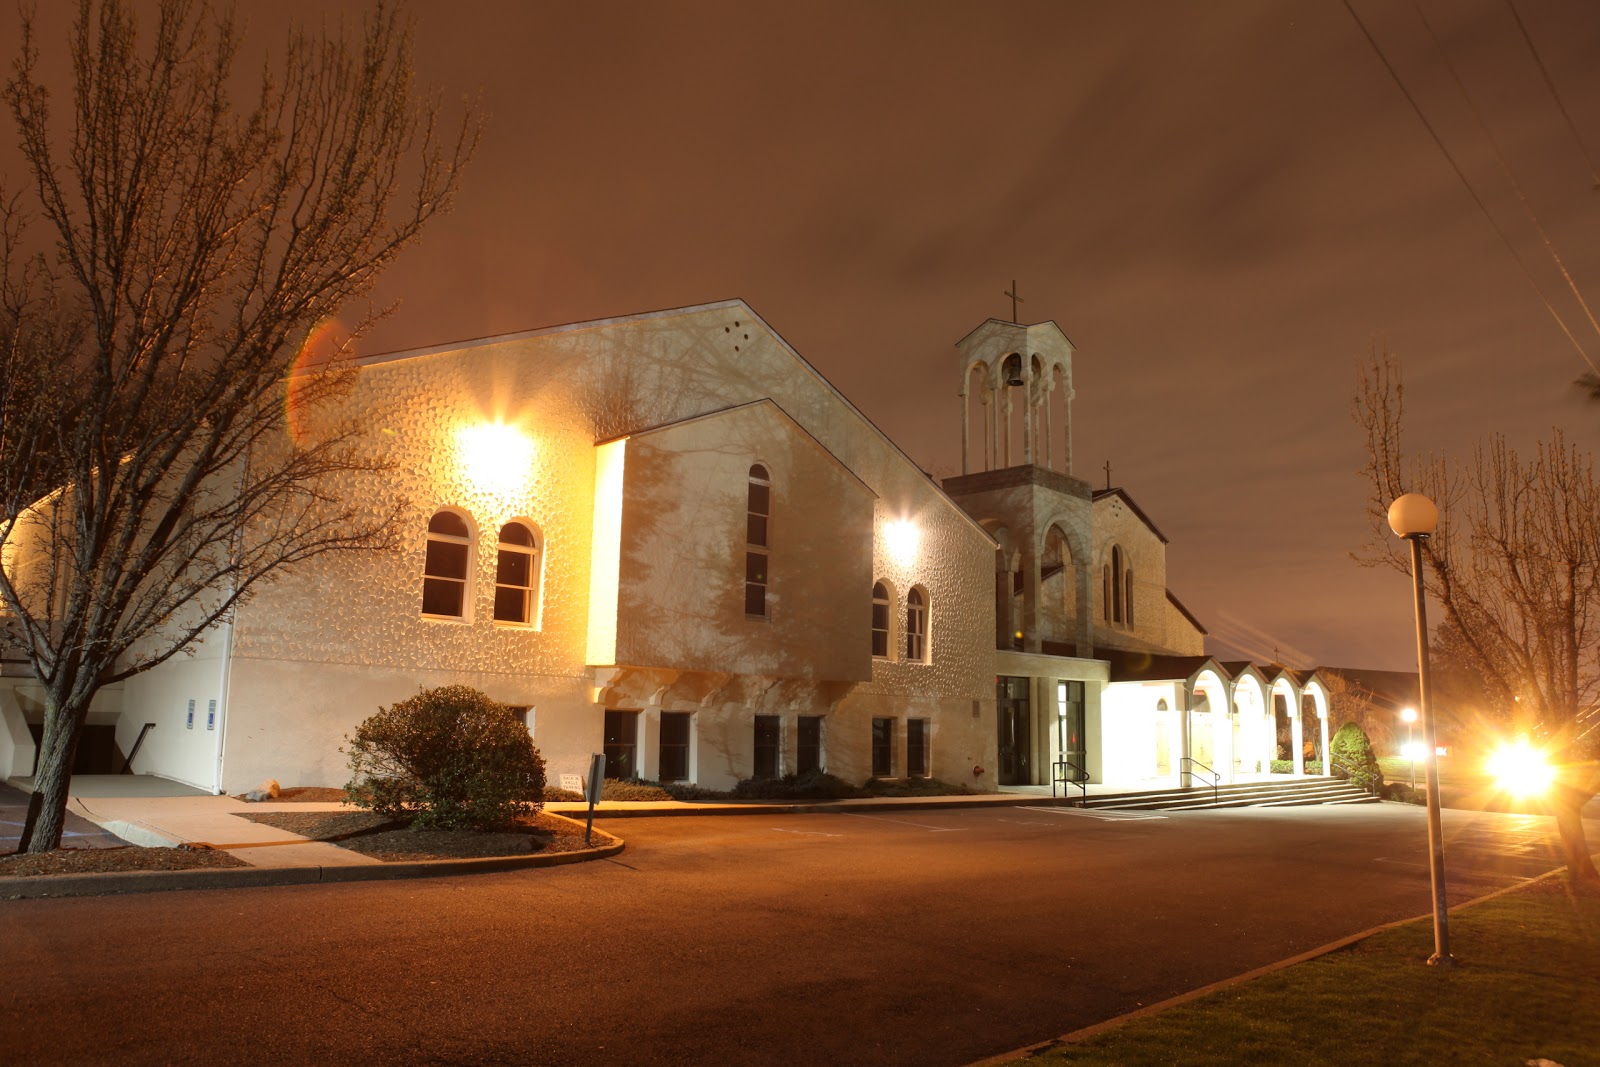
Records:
x=112, y=883
x=1239, y=979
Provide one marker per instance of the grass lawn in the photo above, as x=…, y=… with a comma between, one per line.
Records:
x=1527, y=987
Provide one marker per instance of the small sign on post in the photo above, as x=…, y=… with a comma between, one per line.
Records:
x=597, y=779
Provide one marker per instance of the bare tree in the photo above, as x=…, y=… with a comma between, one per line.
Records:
x=148, y=345
x=1515, y=565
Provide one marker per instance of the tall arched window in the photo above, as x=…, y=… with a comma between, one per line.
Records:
x=516, y=575
x=880, y=621
x=445, y=567
x=917, y=626
x=1116, y=583
x=1127, y=595
x=1105, y=592
x=758, y=516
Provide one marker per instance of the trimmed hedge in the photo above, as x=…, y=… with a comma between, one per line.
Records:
x=447, y=759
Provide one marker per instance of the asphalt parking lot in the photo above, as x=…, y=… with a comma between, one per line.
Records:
x=922, y=938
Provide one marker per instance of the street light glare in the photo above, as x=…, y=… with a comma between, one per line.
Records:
x=1409, y=715
x=1415, y=751
x=1521, y=770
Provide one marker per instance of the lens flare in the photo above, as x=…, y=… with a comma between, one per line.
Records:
x=1521, y=770
x=325, y=344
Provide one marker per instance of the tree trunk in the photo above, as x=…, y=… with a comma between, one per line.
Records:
x=47, y=808
x=1581, y=873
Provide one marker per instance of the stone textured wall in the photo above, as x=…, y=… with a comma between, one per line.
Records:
x=1116, y=524
x=321, y=649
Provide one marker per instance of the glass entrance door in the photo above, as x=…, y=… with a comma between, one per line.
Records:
x=1014, y=722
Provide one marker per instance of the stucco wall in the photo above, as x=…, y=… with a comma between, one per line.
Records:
x=333, y=640
x=682, y=569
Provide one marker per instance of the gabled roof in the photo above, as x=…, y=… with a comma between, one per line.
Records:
x=1101, y=494
x=667, y=313
x=1186, y=613
x=1127, y=666
x=1024, y=326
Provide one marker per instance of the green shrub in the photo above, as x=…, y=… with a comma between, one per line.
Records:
x=633, y=789
x=1286, y=766
x=448, y=758
x=916, y=787
x=813, y=785
x=1354, y=759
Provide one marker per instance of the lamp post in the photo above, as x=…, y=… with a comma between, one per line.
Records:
x=1414, y=518
x=1410, y=717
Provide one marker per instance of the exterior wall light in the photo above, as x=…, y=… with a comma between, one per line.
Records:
x=902, y=538
x=495, y=458
x=1415, y=518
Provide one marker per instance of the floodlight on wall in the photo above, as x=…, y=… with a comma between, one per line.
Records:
x=901, y=539
x=495, y=458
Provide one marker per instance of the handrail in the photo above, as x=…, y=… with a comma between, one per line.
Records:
x=1056, y=776
x=1216, y=778
x=127, y=764
x=1347, y=766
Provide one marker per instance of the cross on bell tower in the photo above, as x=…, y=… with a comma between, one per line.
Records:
x=1015, y=300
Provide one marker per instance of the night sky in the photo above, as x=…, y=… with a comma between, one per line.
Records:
x=1224, y=205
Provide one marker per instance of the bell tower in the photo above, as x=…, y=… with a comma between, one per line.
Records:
x=1016, y=480
x=1016, y=397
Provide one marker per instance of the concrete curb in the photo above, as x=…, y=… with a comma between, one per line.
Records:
x=90, y=885
x=808, y=807
x=1095, y=1030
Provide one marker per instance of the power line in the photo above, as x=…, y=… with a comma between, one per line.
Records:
x=1476, y=199
x=1505, y=168
x=1594, y=172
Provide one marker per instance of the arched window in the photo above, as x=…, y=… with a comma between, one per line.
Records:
x=1116, y=583
x=1105, y=592
x=1127, y=609
x=758, y=516
x=917, y=626
x=880, y=621
x=516, y=575
x=444, y=569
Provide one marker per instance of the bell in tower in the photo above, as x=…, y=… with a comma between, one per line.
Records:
x=1016, y=397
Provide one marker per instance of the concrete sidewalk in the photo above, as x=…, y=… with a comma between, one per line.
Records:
x=214, y=822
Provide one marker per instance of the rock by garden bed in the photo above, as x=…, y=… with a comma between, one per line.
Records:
x=391, y=841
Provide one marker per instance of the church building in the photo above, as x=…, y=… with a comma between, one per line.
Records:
x=668, y=538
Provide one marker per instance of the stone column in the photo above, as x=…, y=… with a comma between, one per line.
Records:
x=966, y=428
x=1327, y=754
x=1027, y=412
x=1298, y=744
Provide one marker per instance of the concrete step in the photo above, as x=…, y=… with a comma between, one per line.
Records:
x=1294, y=793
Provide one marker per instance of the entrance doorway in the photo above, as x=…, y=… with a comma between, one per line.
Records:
x=1015, y=725
x=622, y=744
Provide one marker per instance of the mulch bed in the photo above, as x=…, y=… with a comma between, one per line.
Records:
x=109, y=860
x=391, y=841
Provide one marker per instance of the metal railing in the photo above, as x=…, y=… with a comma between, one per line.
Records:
x=127, y=764
x=1367, y=783
x=1059, y=777
x=1216, y=779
